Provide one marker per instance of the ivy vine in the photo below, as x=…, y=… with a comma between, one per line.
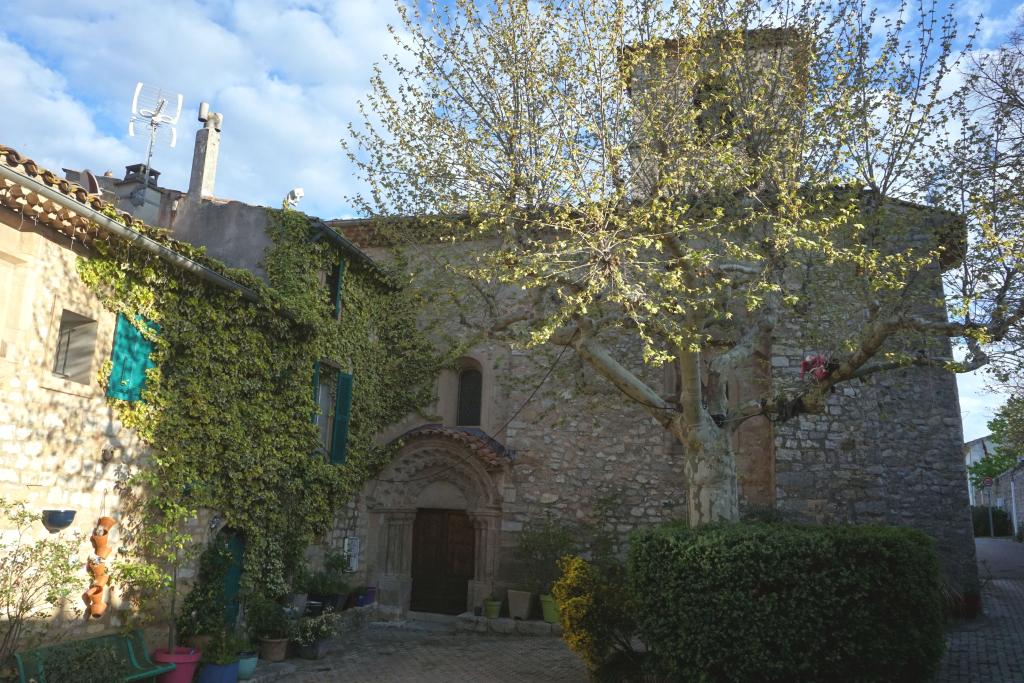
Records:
x=228, y=409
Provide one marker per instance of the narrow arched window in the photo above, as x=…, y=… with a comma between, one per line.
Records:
x=471, y=384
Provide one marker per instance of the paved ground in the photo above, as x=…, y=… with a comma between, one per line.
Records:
x=390, y=655
x=990, y=649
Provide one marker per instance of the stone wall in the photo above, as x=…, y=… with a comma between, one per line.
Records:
x=61, y=447
x=886, y=450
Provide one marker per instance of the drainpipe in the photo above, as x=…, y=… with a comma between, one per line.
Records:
x=145, y=243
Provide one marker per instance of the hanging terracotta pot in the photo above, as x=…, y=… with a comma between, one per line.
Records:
x=98, y=541
x=95, y=597
x=104, y=551
x=96, y=569
x=100, y=579
x=107, y=523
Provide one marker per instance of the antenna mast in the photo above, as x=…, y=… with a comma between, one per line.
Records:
x=154, y=104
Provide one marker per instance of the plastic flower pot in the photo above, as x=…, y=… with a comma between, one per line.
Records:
x=549, y=608
x=273, y=649
x=185, y=660
x=492, y=608
x=519, y=604
x=55, y=520
x=314, y=608
x=218, y=673
x=247, y=662
x=315, y=651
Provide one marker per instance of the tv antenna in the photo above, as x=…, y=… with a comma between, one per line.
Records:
x=159, y=107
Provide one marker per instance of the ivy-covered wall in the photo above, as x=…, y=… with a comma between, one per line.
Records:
x=228, y=410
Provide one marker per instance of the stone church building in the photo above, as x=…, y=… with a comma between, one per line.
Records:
x=506, y=444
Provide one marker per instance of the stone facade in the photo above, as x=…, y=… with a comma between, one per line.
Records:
x=61, y=446
x=887, y=450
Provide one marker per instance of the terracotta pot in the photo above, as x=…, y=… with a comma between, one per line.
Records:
x=98, y=541
x=273, y=649
x=95, y=597
x=97, y=569
x=107, y=523
x=100, y=580
x=104, y=551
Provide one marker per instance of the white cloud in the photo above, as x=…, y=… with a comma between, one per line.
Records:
x=978, y=402
x=41, y=119
x=286, y=75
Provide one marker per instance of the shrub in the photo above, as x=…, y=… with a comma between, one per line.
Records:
x=597, y=618
x=204, y=611
x=264, y=618
x=542, y=543
x=1000, y=520
x=772, y=602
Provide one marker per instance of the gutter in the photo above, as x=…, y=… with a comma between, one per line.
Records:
x=145, y=243
x=346, y=245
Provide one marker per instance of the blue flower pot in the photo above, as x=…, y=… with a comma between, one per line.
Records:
x=55, y=520
x=218, y=673
x=246, y=665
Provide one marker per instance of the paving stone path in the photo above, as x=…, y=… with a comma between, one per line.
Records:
x=392, y=655
x=990, y=649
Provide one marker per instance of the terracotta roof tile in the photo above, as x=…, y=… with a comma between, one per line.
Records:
x=22, y=199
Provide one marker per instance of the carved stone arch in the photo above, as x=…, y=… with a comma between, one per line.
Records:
x=443, y=468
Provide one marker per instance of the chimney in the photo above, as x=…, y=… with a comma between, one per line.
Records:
x=204, y=159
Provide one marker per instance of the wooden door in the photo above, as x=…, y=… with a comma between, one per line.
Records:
x=443, y=545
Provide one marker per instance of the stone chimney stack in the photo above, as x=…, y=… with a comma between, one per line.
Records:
x=204, y=159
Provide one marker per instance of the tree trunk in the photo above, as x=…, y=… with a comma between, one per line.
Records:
x=710, y=468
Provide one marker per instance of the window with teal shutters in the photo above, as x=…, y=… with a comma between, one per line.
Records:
x=342, y=414
x=130, y=359
x=336, y=285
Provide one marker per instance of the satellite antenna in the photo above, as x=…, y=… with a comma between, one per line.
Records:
x=159, y=107
x=87, y=179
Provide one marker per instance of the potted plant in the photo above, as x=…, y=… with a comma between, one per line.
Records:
x=202, y=611
x=148, y=579
x=312, y=633
x=267, y=624
x=492, y=607
x=220, y=660
x=296, y=600
x=248, y=658
x=541, y=545
x=328, y=585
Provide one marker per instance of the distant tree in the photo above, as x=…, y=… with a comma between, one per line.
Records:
x=679, y=175
x=1007, y=429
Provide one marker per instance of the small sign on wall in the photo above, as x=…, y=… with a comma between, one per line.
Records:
x=351, y=548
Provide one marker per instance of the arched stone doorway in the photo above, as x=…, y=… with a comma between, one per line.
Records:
x=439, y=472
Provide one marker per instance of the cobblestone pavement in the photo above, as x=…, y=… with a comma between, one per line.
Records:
x=990, y=649
x=390, y=655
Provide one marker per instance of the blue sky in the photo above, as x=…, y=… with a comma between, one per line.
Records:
x=286, y=74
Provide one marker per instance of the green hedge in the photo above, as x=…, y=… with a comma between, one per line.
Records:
x=773, y=602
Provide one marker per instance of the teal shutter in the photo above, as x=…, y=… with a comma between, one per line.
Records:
x=339, y=286
x=130, y=360
x=342, y=413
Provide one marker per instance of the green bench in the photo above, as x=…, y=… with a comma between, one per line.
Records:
x=109, y=658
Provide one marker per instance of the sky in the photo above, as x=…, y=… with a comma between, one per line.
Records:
x=286, y=74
